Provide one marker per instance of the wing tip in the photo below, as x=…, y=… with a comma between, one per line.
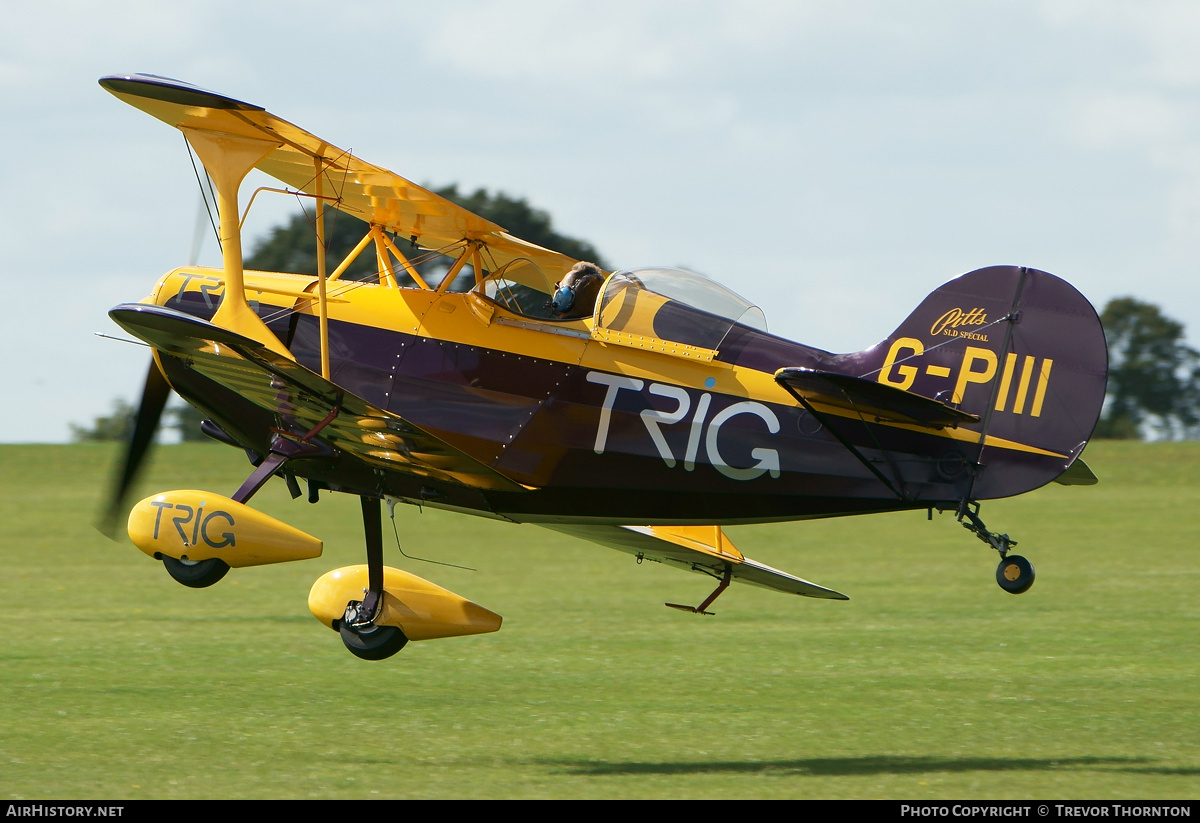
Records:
x=170, y=90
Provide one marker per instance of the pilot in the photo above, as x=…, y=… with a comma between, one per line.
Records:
x=575, y=295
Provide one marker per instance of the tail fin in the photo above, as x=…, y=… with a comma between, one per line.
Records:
x=1020, y=348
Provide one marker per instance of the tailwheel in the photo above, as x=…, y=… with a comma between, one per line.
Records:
x=1015, y=574
x=371, y=641
x=196, y=574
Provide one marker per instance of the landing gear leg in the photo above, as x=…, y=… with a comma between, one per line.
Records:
x=1014, y=574
x=360, y=633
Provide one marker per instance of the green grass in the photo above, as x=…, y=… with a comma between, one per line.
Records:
x=930, y=683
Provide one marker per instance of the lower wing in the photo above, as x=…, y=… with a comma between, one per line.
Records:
x=303, y=399
x=705, y=549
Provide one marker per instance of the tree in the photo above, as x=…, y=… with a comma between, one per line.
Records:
x=291, y=247
x=1153, y=376
x=119, y=425
x=522, y=220
x=116, y=426
x=185, y=419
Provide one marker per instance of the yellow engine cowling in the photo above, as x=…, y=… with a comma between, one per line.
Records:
x=420, y=609
x=196, y=525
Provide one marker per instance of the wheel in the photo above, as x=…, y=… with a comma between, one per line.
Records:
x=1015, y=574
x=196, y=574
x=374, y=643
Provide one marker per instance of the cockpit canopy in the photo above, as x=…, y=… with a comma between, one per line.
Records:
x=522, y=288
x=674, y=304
x=662, y=303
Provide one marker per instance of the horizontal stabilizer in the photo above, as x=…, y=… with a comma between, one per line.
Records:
x=880, y=402
x=1078, y=474
x=304, y=399
x=705, y=549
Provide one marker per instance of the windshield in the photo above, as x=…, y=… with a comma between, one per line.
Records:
x=520, y=287
x=676, y=305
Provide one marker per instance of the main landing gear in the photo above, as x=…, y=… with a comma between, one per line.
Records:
x=1014, y=574
x=361, y=635
x=361, y=625
x=196, y=574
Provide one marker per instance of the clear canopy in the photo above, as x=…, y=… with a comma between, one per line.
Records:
x=690, y=289
x=520, y=287
x=663, y=303
x=674, y=304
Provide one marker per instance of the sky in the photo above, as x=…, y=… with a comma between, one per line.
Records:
x=832, y=162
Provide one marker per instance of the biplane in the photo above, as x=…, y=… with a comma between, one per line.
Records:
x=640, y=409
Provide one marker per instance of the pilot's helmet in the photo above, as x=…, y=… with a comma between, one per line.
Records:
x=575, y=295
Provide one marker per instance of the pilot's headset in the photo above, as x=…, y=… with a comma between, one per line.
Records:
x=575, y=295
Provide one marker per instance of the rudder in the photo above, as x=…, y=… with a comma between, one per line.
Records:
x=1022, y=349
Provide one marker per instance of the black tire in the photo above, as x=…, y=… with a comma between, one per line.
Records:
x=1015, y=574
x=196, y=575
x=374, y=643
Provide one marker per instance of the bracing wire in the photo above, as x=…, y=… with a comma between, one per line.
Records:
x=203, y=195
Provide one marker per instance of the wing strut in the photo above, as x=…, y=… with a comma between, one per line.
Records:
x=228, y=159
x=283, y=449
x=322, y=300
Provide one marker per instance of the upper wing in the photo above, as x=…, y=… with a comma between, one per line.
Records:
x=304, y=399
x=704, y=549
x=367, y=191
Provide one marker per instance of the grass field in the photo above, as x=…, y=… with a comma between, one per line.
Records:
x=929, y=683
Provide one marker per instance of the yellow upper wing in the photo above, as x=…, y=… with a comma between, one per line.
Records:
x=367, y=191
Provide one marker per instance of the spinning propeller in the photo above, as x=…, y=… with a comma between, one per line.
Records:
x=154, y=400
x=155, y=394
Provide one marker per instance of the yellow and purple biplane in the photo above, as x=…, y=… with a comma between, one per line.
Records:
x=641, y=409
